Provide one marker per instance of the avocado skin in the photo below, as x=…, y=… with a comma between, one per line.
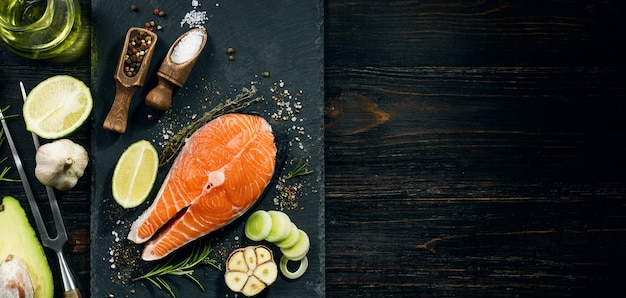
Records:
x=19, y=239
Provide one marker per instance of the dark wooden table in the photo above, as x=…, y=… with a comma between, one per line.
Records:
x=472, y=149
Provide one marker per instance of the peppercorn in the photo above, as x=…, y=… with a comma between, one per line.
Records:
x=156, y=11
x=138, y=45
x=230, y=51
x=231, y=58
x=161, y=13
x=134, y=7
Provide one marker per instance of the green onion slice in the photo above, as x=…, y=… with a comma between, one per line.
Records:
x=304, y=264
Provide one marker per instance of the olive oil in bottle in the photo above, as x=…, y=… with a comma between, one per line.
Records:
x=43, y=29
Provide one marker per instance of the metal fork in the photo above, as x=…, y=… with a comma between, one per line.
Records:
x=56, y=243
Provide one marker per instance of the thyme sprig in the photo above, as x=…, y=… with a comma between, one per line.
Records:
x=199, y=256
x=176, y=142
x=301, y=169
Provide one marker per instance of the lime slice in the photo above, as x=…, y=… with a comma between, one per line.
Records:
x=57, y=106
x=134, y=174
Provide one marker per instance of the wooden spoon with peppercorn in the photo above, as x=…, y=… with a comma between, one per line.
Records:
x=176, y=67
x=130, y=74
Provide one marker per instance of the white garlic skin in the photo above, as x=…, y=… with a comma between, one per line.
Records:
x=60, y=164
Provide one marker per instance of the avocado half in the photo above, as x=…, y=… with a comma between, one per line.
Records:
x=19, y=240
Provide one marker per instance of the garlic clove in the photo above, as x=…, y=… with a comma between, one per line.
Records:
x=60, y=164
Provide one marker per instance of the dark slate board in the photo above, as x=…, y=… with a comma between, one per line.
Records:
x=284, y=38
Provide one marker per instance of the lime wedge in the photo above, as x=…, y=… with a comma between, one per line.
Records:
x=134, y=174
x=57, y=107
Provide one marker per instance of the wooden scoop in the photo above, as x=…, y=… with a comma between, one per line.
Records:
x=174, y=74
x=126, y=85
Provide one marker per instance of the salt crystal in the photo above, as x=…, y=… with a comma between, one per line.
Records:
x=195, y=19
x=187, y=47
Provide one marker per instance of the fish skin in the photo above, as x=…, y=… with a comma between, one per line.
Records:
x=219, y=174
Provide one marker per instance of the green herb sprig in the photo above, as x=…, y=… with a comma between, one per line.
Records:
x=199, y=256
x=6, y=169
x=176, y=142
x=301, y=169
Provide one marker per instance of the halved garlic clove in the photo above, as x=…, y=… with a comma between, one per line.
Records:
x=250, y=270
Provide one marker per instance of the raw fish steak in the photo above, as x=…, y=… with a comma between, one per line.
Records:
x=218, y=175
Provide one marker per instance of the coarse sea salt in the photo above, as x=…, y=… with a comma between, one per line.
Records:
x=187, y=47
x=195, y=19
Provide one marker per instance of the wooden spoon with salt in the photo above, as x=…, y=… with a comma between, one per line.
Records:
x=176, y=67
x=129, y=76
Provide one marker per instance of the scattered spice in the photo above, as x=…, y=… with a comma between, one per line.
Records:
x=266, y=74
x=138, y=45
x=156, y=11
x=289, y=107
x=287, y=193
x=161, y=13
x=231, y=58
x=230, y=50
x=152, y=25
x=134, y=7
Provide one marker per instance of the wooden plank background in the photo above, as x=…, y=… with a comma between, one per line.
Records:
x=472, y=149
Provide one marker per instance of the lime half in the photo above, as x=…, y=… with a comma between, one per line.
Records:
x=57, y=106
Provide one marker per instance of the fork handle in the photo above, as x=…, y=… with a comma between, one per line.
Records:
x=75, y=293
x=69, y=285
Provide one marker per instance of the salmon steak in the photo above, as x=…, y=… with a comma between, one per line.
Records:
x=220, y=173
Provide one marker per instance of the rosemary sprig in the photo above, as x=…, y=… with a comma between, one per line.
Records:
x=4, y=172
x=6, y=169
x=199, y=256
x=300, y=169
x=176, y=142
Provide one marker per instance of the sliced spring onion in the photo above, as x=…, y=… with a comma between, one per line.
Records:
x=304, y=264
x=258, y=225
x=300, y=249
x=292, y=239
x=281, y=226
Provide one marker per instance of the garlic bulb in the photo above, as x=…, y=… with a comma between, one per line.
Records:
x=60, y=164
